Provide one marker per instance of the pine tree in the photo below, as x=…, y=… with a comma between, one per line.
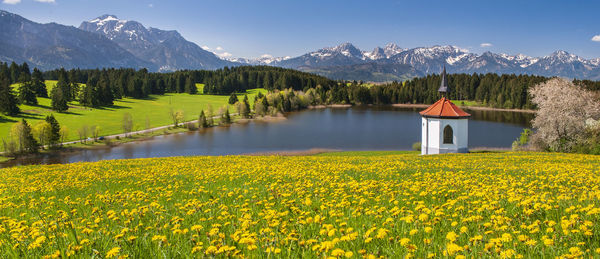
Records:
x=28, y=142
x=8, y=101
x=233, y=99
x=55, y=131
x=202, y=122
x=105, y=93
x=226, y=117
x=180, y=83
x=247, y=107
x=209, y=115
x=190, y=86
x=15, y=72
x=27, y=94
x=58, y=101
x=37, y=80
x=88, y=96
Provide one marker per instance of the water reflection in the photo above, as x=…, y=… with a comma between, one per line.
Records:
x=356, y=128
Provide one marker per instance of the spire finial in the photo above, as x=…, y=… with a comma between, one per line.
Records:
x=444, y=85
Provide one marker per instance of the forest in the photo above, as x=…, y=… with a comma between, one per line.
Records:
x=100, y=87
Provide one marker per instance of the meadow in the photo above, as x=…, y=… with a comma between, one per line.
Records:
x=355, y=205
x=151, y=112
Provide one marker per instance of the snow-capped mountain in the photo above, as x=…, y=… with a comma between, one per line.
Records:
x=167, y=49
x=108, y=41
x=432, y=59
x=51, y=45
x=378, y=53
x=562, y=63
x=427, y=60
x=344, y=54
x=262, y=60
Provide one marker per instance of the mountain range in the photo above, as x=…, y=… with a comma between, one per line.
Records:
x=107, y=41
x=168, y=50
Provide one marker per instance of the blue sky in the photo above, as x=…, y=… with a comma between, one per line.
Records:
x=291, y=27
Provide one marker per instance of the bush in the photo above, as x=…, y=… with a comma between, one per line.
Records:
x=522, y=141
x=191, y=126
x=416, y=146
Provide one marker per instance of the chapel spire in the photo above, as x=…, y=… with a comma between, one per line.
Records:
x=444, y=85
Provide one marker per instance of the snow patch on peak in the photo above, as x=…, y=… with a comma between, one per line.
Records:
x=105, y=19
x=451, y=60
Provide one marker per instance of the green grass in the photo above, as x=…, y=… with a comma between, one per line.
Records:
x=466, y=103
x=155, y=109
x=494, y=205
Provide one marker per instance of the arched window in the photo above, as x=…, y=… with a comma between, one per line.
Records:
x=448, y=135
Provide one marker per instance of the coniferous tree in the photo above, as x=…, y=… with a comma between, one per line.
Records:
x=180, y=83
x=15, y=72
x=209, y=115
x=233, y=99
x=134, y=88
x=202, y=121
x=246, y=104
x=226, y=117
x=37, y=81
x=55, y=130
x=27, y=94
x=146, y=86
x=190, y=86
x=105, y=93
x=88, y=96
x=8, y=101
x=58, y=100
x=29, y=144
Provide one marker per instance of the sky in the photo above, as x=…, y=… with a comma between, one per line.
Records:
x=254, y=28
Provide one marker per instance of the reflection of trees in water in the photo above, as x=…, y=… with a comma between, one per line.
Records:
x=45, y=158
x=519, y=118
x=182, y=140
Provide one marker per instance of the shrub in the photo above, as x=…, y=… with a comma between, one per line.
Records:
x=416, y=146
x=191, y=126
x=522, y=141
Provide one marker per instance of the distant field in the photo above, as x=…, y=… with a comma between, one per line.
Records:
x=466, y=103
x=156, y=109
x=494, y=205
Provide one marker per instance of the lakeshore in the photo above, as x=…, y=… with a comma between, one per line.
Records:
x=310, y=131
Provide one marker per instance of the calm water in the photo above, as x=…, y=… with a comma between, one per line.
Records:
x=356, y=128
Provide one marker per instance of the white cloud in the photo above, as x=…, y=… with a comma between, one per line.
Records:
x=150, y=5
x=596, y=38
x=485, y=45
x=219, y=48
x=266, y=56
x=46, y=1
x=11, y=1
x=205, y=48
x=224, y=54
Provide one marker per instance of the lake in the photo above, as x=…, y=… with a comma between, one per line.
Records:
x=355, y=128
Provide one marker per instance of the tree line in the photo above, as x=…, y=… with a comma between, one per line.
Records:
x=493, y=90
x=101, y=87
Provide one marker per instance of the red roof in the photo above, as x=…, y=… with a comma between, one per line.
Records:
x=444, y=108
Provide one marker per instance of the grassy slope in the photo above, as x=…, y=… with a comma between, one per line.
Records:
x=466, y=103
x=156, y=109
x=530, y=205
